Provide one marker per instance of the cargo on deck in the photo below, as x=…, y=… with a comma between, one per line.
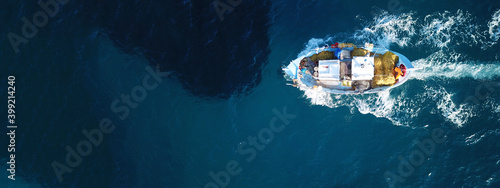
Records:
x=346, y=68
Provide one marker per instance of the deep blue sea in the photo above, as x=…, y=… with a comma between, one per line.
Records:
x=191, y=94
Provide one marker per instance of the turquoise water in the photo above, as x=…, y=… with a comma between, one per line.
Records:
x=91, y=54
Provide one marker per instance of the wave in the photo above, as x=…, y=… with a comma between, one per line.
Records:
x=381, y=105
x=477, y=137
x=388, y=28
x=400, y=109
x=437, y=30
x=494, y=26
x=440, y=29
x=457, y=114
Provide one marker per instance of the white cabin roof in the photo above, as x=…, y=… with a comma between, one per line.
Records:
x=363, y=68
x=329, y=70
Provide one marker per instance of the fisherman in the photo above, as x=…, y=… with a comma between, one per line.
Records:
x=397, y=73
x=307, y=66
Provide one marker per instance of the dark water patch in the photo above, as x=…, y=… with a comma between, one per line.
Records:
x=211, y=57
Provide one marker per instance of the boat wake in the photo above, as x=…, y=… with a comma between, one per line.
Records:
x=494, y=26
x=401, y=109
x=454, y=66
x=437, y=31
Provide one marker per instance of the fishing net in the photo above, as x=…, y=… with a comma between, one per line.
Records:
x=384, y=67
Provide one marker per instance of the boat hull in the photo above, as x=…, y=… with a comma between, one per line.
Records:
x=305, y=82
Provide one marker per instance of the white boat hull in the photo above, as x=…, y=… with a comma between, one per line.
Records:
x=292, y=72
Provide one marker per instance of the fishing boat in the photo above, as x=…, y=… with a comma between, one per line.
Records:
x=346, y=68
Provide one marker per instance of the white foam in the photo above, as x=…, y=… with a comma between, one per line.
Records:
x=440, y=29
x=318, y=97
x=490, y=103
x=388, y=28
x=398, y=109
x=437, y=30
x=453, y=65
x=477, y=137
x=494, y=26
x=489, y=181
x=457, y=114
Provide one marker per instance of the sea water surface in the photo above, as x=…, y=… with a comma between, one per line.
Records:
x=223, y=115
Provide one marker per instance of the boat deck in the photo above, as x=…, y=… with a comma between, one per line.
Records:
x=342, y=82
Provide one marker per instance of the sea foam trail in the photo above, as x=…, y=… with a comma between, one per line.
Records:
x=452, y=65
x=456, y=70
